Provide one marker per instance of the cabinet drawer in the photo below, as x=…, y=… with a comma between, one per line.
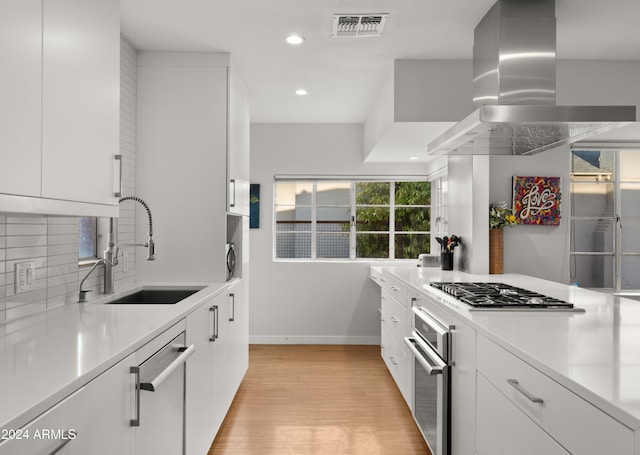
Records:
x=505, y=430
x=395, y=317
x=58, y=429
x=394, y=287
x=576, y=424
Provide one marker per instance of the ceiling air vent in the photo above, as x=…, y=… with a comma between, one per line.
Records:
x=358, y=25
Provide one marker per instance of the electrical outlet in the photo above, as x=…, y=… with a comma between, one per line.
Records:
x=25, y=276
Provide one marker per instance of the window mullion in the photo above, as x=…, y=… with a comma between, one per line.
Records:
x=392, y=220
x=352, y=223
x=314, y=218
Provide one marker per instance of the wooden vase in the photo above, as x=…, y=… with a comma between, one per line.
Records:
x=496, y=251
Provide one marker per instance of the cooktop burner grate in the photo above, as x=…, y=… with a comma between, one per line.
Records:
x=499, y=295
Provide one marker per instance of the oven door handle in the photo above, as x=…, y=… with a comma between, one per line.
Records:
x=438, y=365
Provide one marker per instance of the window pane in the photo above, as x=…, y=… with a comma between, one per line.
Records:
x=593, y=163
x=293, y=245
x=413, y=193
x=87, y=238
x=335, y=214
x=373, y=193
x=333, y=193
x=630, y=236
x=592, y=199
x=293, y=193
x=630, y=272
x=333, y=245
x=372, y=246
x=593, y=271
x=630, y=166
x=372, y=219
x=298, y=218
x=630, y=199
x=409, y=246
x=413, y=219
x=592, y=236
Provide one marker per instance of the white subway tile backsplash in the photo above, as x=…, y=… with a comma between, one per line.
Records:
x=26, y=240
x=63, y=259
x=64, y=249
x=63, y=229
x=67, y=239
x=62, y=269
x=26, y=229
x=16, y=300
x=25, y=253
x=25, y=219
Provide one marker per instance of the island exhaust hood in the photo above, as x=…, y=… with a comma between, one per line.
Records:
x=514, y=89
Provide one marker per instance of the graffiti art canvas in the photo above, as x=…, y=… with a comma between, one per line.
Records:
x=536, y=200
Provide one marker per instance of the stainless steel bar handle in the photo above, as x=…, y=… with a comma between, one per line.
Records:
x=432, y=370
x=233, y=192
x=61, y=445
x=214, y=312
x=153, y=385
x=135, y=422
x=393, y=360
x=395, y=288
x=431, y=322
x=232, y=297
x=118, y=191
x=516, y=385
x=394, y=319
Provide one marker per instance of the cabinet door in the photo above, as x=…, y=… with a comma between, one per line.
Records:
x=109, y=431
x=203, y=412
x=80, y=99
x=238, y=147
x=502, y=429
x=20, y=92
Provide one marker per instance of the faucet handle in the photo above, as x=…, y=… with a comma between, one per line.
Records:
x=82, y=297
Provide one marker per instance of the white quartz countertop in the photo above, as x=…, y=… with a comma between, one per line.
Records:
x=46, y=357
x=596, y=354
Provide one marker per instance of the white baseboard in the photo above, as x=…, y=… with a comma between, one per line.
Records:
x=353, y=340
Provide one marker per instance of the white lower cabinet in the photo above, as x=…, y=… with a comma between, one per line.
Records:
x=93, y=420
x=502, y=429
x=395, y=323
x=550, y=411
x=215, y=371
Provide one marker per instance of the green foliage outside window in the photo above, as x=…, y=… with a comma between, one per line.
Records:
x=375, y=216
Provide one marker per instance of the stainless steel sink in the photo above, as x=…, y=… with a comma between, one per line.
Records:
x=155, y=296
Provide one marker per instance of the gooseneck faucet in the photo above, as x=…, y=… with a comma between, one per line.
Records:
x=110, y=255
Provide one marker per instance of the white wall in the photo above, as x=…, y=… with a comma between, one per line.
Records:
x=540, y=251
x=310, y=302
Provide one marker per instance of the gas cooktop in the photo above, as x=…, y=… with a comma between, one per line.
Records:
x=501, y=296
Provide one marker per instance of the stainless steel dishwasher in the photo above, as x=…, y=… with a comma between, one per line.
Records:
x=160, y=397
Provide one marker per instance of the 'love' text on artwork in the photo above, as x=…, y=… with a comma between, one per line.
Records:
x=535, y=201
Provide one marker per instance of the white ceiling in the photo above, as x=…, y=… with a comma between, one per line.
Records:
x=343, y=75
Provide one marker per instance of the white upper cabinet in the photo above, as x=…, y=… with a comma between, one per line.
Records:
x=60, y=110
x=20, y=92
x=81, y=99
x=238, y=147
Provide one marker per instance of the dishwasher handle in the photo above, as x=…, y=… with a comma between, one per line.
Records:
x=153, y=385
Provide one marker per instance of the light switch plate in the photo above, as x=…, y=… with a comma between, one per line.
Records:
x=25, y=276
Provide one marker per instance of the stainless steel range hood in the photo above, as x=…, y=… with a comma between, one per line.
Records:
x=514, y=89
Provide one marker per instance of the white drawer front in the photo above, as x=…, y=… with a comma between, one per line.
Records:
x=394, y=287
x=572, y=421
x=395, y=316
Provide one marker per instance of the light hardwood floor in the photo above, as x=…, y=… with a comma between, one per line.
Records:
x=317, y=400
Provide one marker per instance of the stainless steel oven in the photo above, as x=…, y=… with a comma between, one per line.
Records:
x=430, y=344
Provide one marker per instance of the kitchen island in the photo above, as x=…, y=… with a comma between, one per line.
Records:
x=593, y=356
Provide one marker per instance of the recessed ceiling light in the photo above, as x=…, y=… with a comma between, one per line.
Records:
x=413, y=158
x=301, y=92
x=295, y=39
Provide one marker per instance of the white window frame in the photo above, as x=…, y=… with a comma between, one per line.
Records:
x=391, y=232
